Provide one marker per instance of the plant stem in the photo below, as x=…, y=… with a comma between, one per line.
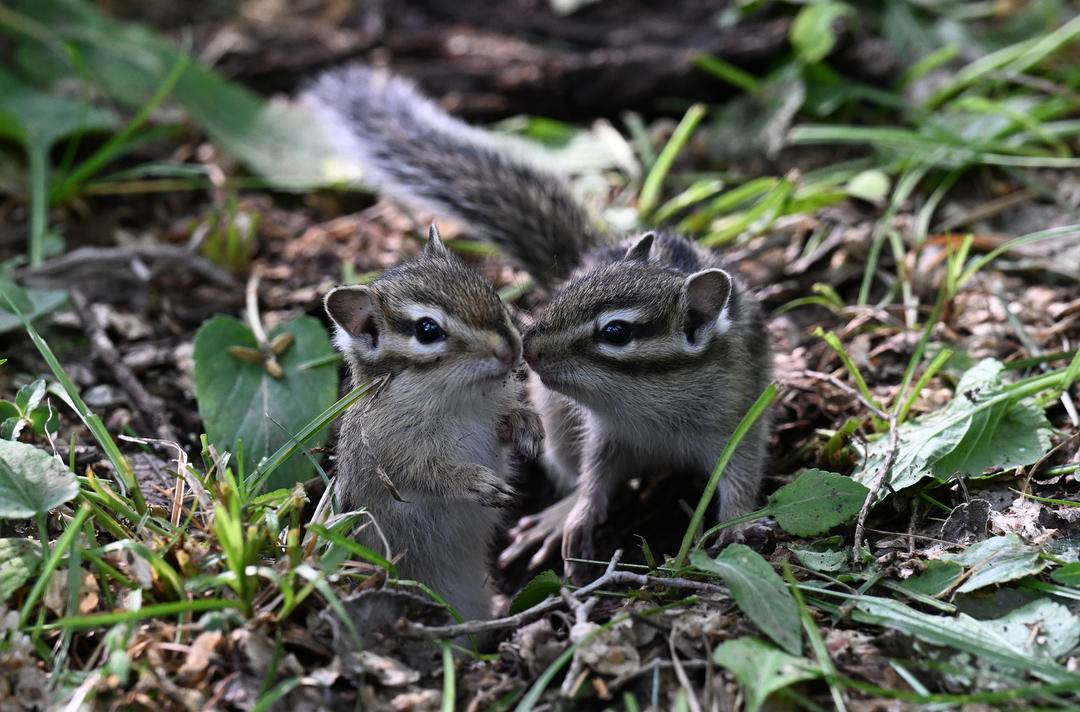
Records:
x=39, y=200
x=43, y=533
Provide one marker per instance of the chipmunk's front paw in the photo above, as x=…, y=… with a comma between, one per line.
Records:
x=523, y=430
x=578, y=542
x=486, y=488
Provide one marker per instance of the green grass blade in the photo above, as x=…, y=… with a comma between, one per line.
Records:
x=756, y=410
x=258, y=477
x=728, y=73
x=121, y=140
x=125, y=476
x=650, y=190
x=157, y=610
x=57, y=553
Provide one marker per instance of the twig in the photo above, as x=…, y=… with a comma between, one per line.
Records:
x=854, y=393
x=149, y=406
x=95, y=261
x=680, y=673
x=879, y=480
x=609, y=578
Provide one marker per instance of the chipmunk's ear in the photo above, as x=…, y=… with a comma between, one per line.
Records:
x=641, y=249
x=353, y=310
x=705, y=300
x=434, y=247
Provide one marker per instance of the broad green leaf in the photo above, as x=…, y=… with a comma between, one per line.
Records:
x=759, y=592
x=44, y=418
x=996, y=560
x=828, y=555
x=16, y=294
x=871, y=186
x=813, y=33
x=11, y=427
x=8, y=410
x=31, y=302
x=32, y=481
x=275, y=140
x=30, y=395
x=761, y=668
x=37, y=120
x=816, y=502
x=1067, y=575
x=961, y=632
x=239, y=400
x=968, y=435
x=544, y=584
x=937, y=577
x=1058, y=629
x=19, y=561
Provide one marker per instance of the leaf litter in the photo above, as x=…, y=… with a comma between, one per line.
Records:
x=965, y=587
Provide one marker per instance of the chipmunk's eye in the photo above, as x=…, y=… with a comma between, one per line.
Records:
x=617, y=333
x=427, y=331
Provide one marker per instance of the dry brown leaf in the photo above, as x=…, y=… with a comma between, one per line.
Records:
x=199, y=654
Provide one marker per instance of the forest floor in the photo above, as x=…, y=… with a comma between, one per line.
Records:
x=898, y=186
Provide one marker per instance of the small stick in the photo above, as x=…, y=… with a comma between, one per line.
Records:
x=879, y=480
x=609, y=578
x=854, y=393
x=149, y=406
x=94, y=261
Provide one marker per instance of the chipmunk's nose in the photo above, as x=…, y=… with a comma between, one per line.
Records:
x=502, y=350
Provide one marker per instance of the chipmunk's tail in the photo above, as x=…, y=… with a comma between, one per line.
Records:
x=412, y=150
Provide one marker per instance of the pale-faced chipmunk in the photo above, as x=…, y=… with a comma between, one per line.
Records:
x=648, y=351
x=429, y=453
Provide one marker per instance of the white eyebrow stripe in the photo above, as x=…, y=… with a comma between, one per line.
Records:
x=631, y=315
x=418, y=311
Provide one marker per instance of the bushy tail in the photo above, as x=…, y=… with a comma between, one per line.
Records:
x=412, y=150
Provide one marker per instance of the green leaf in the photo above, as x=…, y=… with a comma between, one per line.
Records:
x=44, y=418
x=544, y=584
x=960, y=633
x=37, y=120
x=29, y=396
x=276, y=140
x=19, y=561
x=761, y=668
x=813, y=33
x=1067, y=575
x=981, y=428
x=16, y=294
x=871, y=186
x=996, y=560
x=759, y=592
x=239, y=400
x=937, y=577
x=32, y=481
x=8, y=410
x=11, y=427
x=1058, y=629
x=823, y=555
x=31, y=302
x=816, y=502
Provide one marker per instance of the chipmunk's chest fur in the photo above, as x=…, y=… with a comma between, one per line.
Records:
x=404, y=428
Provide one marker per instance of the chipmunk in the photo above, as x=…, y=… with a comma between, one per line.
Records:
x=648, y=353
x=428, y=454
